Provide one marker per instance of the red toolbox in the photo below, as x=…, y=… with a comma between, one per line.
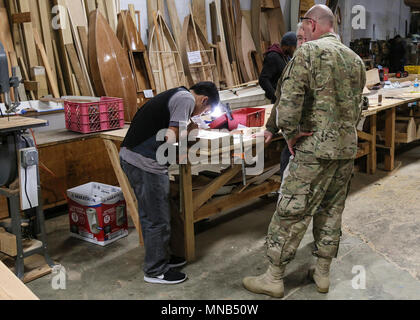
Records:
x=248, y=117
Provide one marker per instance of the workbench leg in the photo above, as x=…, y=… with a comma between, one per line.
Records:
x=17, y=231
x=125, y=186
x=372, y=158
x=188, y=210
x=390, y=139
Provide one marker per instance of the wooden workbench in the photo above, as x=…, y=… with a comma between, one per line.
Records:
x=402, y=97
x=68, y=160
x=199, y=204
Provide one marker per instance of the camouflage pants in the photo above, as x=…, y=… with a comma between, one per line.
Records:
x=312, y=189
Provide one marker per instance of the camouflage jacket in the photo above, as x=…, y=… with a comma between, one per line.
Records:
x=321, y=92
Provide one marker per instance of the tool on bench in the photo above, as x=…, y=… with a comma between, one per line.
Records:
x=19, y=180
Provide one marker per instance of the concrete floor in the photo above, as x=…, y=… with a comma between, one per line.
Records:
x=381, y=233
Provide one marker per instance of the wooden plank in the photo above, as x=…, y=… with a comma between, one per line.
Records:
x=200, y=16
x=17, y=33
x=40, y=76
x=90, y=6
x=49, y=72
x=188, y=211
x=76, y=10
x=82, y=31
x=152, y=6
x=4, y=209
x=8, y=243
x=65, y=37
x=35, y=266
x=390, y=139
x=47, y=33
x=11, y=288
x=213, y=18
x=225, y=203
x=19, y=122
x=175, y=23
x=227, y=70
x=80, y=77
x=60, y=77
x=203, y=195
x=25, y=76
x=111, y=13
x=31, y=51
x=125, y=185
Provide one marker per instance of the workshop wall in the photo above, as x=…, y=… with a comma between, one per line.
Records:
x=388, y=16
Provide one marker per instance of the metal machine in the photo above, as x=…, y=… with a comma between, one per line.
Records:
x=18, y=152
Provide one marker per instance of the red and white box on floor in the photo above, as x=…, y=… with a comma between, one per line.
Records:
x=98, y=213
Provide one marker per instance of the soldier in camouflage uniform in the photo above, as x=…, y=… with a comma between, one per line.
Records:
x=319, y=109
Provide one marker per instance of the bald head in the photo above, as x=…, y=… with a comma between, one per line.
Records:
x=320, y=20
x=322, y=14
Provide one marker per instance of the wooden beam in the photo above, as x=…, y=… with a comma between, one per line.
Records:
x=188, y=211
x=225, y=203
x=46, y=63
x=31, y=51
x=80, y=77
x=47, y=33
x=200, y=15
x=11, y=288
x=203, y=195
x=175, y=23
x=390, y=139
x=125, y=185
x=227, y=69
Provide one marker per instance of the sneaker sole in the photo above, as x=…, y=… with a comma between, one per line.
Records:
x=158, y=281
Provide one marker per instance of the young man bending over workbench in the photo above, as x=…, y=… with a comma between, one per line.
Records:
x=170, y=110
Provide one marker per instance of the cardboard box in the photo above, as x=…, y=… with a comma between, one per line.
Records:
x=97, y=213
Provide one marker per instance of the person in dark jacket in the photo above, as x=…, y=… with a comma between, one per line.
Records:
x=397, y=55
x=276, y=59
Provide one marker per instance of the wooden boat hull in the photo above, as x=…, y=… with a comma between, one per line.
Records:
x=192, y=40
x=164, y=58
x=245, y=49
x=130, y=39
x=109, y=65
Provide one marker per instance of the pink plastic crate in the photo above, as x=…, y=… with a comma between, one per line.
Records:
x=88, y=117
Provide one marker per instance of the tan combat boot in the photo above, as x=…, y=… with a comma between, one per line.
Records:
x=270, y=283
x=321, y=275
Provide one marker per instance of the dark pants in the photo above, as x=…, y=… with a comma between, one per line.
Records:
x=153, y=195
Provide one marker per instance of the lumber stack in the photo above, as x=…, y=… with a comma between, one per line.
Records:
x=47, y=42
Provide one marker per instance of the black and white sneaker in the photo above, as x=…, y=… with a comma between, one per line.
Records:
x=170, y=277
x=177, y=262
